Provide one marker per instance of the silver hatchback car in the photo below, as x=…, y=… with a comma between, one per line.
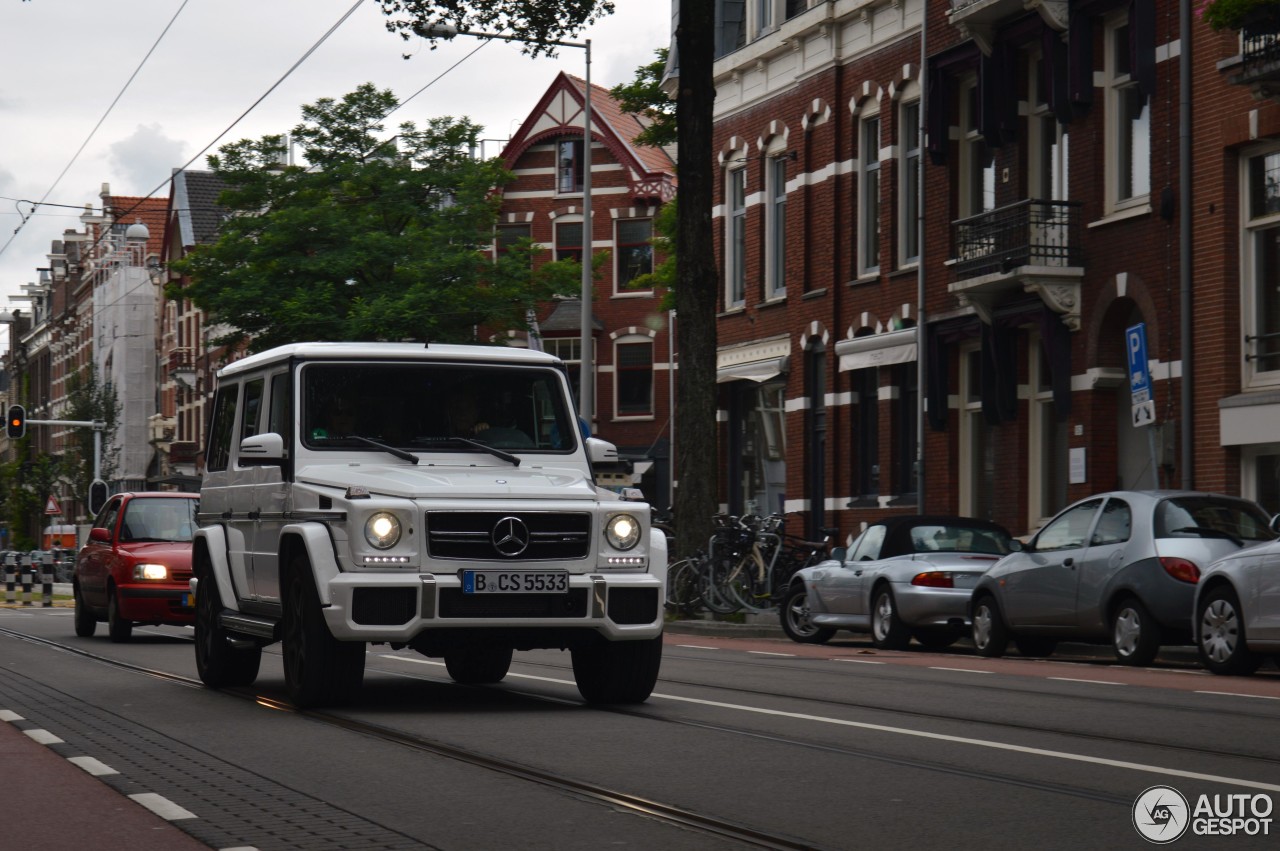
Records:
x=1119, y=567
x=1237, y=613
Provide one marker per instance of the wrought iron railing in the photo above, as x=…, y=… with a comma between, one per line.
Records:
x=1028, y=233
x=1260, y=50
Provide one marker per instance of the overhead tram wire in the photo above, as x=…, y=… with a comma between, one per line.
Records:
x=36, y=205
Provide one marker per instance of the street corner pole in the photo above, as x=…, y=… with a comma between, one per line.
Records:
x=586, y=372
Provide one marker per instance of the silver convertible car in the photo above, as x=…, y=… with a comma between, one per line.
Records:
x=904, y=577
x=1237, y=611
x=1119, y=568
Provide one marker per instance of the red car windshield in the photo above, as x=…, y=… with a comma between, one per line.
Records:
x=159, y=519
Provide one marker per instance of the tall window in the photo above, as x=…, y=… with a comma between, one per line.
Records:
x=506, y=236
x=736, y=238
x=1048, y=445
x=866, y=437
x=633, y=364
x=869, y=196
x=977, y=164
x=1047, y=142
x=905, y=419
x=1128, y=123
x=764, y=16
x=633, y=250
x=909, y=183
x=1261, y=272
x=569, y=162
x=977, y=460
x=569, y=350
x=569, y=241
x=776, y=243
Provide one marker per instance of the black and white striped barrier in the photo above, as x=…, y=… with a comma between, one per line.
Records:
x=20, y=569
x=10, y=576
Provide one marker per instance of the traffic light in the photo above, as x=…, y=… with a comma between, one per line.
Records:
x=16, y=425
x=97, y=496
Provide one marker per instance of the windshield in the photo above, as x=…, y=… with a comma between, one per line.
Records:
x=425, y=407
x=159, y=519
x=1211, y=517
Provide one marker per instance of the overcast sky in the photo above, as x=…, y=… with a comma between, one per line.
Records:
x=65, y=61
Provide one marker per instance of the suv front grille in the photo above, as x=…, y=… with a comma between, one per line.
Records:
x=455, y=604
x=470, y=535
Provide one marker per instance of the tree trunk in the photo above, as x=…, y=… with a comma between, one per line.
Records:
x=696, y=455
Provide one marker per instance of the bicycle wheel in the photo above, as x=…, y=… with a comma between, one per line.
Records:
x=716, y=576
x=684, y=591
x=746, y=589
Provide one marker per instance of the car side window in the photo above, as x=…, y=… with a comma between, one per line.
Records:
x=221, y=427
x=250, y=408
x=280, y=412
x=1114, y=524
x=1068, y=530
x=107, y=516
x=868, y=548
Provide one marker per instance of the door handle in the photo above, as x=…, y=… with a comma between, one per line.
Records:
x=1069, y=562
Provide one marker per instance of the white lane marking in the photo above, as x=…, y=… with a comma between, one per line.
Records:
x=1078, y=680
x=860, y=661
x=44, y=737
x=162, y=806
x=9, y=715
x=961, y=670
x=767, y=653
x=1237, y=694
x=697, y=647
x=95, y=767
x=923, y=734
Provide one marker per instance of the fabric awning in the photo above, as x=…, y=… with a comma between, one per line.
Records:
x=877, y=350
x=758, y=370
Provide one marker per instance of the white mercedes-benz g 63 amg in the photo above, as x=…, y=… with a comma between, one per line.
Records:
x=436, y=497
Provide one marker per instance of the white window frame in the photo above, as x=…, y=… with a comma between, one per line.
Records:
x=869, y=227
x=970, y=413
x=775, y=242
x=1041, y=171
x=560, y=192
x=909, y=177
x=1041, y=416
x=735, y=240
x=1118, y=86
x=1254, y=229
x=631, y=340
x=620, y=290
x=972, y=145
x=555, y=236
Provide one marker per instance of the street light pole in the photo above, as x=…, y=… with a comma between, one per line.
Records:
x=586, y=370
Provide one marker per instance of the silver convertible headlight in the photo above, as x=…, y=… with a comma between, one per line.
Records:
x=382, y=530
x=622, y=531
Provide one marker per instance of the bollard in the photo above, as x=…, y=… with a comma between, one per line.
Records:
x=46, y=579
x=10, y=576
x=25, y=570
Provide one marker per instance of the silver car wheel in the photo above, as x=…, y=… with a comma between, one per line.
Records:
x=982, y=627
x=883, y=616
x=1219, y=631
x=1128, y=631
x=798, y=615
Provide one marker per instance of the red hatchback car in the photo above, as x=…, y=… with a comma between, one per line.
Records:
x=136, y=566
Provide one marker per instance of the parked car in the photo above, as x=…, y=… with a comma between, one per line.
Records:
x=904, y=577
x=136, y=566
x=1118, y=567
x=1237, y=609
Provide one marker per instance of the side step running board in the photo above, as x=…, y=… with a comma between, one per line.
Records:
x=239, y=622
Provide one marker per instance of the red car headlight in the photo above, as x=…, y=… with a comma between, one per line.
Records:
x=150, y=572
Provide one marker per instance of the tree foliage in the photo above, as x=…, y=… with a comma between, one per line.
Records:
x=537, y=22
x=89, y=399
x=374, y=239
x=645, y=96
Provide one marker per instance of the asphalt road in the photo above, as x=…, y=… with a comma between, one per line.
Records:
x=747, y=742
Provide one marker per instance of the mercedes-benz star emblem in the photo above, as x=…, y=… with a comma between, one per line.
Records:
x=510, y=536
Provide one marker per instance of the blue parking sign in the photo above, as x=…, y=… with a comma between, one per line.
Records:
x=1135, y=345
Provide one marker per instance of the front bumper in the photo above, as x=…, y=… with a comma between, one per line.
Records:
x=397, y=608
x=152, y=604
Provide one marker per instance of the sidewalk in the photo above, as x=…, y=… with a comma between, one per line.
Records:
x=59, y=806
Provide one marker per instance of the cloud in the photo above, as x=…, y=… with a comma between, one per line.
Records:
x=145, y=159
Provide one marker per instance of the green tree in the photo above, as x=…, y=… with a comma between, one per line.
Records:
x=373, y=240
x=88, y=400
x=539, y=22
x=645, y=96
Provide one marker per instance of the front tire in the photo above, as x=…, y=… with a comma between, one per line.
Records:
x=617, y=671
x=1220, y=635
x=794, y=614
x=319, y=670
x=119, y=629
x=218, y=662
x=888, y=632
x=990, y=636
x=478, y=665
x=86, y=621
x=1135, y=634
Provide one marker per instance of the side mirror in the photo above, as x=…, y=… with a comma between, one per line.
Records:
x=1016, y=546
x=100, y=534
x=838, y=553
x=601, y=451
x=1274, y=525
x=264, y=449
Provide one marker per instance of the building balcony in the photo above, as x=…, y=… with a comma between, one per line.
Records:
x=979, y=19
x=183, y=452
x=1259, y=67
x=182, y=367
x=1031, y=246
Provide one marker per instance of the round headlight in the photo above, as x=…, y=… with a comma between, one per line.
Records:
x=382, y=530
x=623, y=531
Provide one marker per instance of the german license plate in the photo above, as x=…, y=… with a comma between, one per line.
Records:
x=515, y=581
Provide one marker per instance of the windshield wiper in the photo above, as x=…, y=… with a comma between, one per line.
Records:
x=514, y=460
x=377, y=444
x=1208, y=532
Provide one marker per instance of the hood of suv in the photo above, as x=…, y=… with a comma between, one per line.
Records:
x=453, y=481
